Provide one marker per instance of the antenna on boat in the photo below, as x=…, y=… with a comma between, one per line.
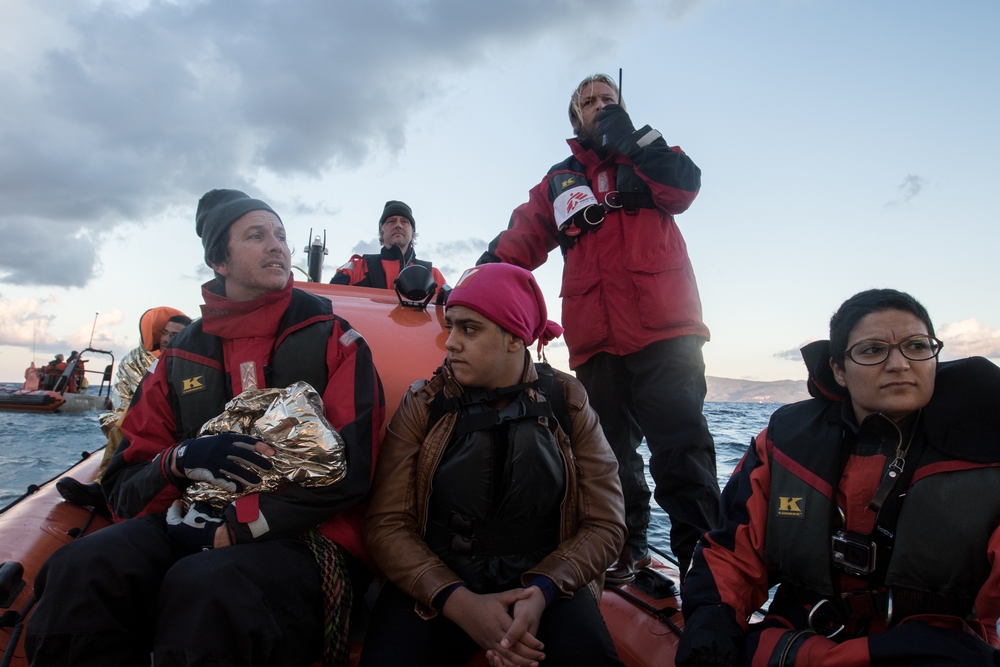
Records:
x=315, y=252
x=620, y=98
x=92, y=330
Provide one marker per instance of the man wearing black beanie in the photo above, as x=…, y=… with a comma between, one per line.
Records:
x=262, y=582
x=397, y=232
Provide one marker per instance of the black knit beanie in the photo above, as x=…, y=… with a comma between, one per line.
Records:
x=219, y=209
x=393, y=207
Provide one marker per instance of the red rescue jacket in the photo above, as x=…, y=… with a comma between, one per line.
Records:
x=630, y=283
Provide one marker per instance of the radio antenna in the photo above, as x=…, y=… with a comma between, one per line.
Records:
x=620, y=98
x=92, y=330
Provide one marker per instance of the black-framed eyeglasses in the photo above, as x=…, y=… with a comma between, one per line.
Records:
x=914, y=348
x=169, y=335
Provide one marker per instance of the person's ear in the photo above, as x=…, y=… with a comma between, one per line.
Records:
x=838, y=373
x=514, y=344
x=221, y=269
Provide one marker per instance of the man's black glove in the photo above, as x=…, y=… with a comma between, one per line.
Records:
x=217, y=459
x=712, y=638
x=195, y=530
x=442, y=295
x=619, y=134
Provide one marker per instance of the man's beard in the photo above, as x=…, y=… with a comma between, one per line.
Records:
x=588, y=135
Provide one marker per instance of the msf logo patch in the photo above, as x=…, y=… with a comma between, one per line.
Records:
x=192, y=385
x=791, y=507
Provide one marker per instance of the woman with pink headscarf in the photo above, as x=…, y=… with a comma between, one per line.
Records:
x=496, y=505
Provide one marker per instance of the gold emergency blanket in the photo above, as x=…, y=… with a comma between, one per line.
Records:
x=308, y=451
x=131, y=370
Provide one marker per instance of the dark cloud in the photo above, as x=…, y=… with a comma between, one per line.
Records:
x=36, y=253
x=132, y=110
x=911, y=186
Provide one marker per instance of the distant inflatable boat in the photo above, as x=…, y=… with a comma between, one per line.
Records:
x=33, y=397
x=20, y=400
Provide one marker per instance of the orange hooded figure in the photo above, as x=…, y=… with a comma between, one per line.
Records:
x=131, y=370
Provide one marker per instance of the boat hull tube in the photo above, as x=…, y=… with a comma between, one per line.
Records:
x=31, y=401
x=407, y=344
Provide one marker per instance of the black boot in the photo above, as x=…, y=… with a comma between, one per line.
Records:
x=629, y=560
x=84, y=495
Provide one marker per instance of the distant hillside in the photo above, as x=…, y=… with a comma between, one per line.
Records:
x=727, y=390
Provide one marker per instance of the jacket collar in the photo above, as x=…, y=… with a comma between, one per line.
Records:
x=586, y=153
x=221, y=316
x=394, y=253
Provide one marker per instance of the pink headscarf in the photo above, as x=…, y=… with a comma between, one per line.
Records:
x=509, y=296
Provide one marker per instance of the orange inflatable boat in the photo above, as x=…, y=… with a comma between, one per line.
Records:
x=407, y=344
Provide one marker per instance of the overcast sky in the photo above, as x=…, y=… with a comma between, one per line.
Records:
x=844, y=145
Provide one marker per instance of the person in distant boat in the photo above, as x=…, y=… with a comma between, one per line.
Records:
x=397, y=232
x=33, y=378
x=77, y=376
x=263, y=584
x=873, y=506
x=496, y=504
x=53, y=371
x=630, y=307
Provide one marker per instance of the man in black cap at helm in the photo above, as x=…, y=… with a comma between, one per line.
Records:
x=397, y=232
x=245, y=588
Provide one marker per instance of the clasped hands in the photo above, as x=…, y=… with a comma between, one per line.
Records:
x=505, y=624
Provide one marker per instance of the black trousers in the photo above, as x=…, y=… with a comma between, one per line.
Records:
x=122, y=593
x=659, y=392
x=572, y=630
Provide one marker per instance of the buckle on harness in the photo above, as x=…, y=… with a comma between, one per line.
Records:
x=822, y=622
x=613, y=200
x=515, y=410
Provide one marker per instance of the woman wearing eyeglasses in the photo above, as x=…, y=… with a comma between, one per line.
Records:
x=873, y=506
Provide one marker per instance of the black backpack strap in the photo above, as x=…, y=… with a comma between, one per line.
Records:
x=438, y=410
x=483, y=421
x=549, y=385
x=376, y=274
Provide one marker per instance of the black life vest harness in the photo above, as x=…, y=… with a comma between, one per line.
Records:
x=477, y=420
x=200, y=386
x=631, y=193
x=812, y=435
x=376, y=272
x=496, y=505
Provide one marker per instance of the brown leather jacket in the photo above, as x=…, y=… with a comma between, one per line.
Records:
x=593, y=514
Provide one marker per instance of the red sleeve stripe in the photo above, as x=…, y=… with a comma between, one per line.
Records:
x=800, y=471
x=302, y=325
x=948, y=466
x=197, y=358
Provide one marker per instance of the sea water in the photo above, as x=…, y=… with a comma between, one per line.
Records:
x=35, y=448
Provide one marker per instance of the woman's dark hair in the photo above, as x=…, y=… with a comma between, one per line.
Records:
x=863, y=304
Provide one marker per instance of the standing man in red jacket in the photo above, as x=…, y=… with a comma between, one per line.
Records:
x=630, y=308
x=257, y=585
